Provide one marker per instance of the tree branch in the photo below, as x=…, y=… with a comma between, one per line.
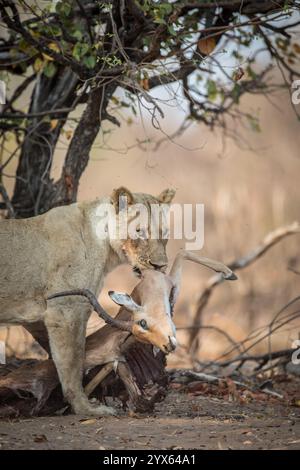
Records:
x=270, y=240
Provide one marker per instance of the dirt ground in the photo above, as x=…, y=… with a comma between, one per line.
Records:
x=182, y=421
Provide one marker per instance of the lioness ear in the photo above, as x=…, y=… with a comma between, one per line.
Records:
x=166, y=196
x=124, y=300
x=120, y=197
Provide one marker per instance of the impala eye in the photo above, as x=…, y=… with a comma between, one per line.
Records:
x=143, y=324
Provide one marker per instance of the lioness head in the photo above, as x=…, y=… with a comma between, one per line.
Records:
x=141, y=228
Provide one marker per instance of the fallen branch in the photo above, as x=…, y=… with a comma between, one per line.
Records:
x=186, y=376
x=262, y=358
x=99, y=377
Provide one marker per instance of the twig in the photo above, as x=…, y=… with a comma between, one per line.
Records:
x=260, y=332
x=218, y=330
x=293, y=270
x=7, y=201
x=201, y=377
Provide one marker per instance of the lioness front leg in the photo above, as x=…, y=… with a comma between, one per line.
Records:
x=66, y=329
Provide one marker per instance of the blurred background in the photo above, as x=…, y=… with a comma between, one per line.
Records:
x=249, y=186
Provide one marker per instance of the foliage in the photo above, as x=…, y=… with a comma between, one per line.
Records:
x=77, y=50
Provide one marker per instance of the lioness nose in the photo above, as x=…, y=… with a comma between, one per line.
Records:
x=158, y=267
x=172, y=343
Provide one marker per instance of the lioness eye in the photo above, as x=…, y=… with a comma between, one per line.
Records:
x=143, y=324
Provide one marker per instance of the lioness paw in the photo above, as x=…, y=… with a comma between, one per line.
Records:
x=106, y=411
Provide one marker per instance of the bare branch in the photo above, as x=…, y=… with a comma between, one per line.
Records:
x=7, y=203
x=270, y=240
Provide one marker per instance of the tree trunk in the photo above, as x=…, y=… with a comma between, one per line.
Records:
x=33, y=182
x=66, y=188
x=35, y=192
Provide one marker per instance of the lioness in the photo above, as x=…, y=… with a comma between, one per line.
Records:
x=62, y=250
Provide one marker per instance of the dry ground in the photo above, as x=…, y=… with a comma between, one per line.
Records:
x=182, y=421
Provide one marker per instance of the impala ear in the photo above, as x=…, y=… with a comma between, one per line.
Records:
x=166, y=196
x=125, y=300
x=121, y=197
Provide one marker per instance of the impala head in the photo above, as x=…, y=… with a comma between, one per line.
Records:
x=151, y=306
x=139, y=246
x=152, y=301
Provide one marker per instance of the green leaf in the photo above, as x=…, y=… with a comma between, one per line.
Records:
x=89, y=61
x=63, y=8
x=38, y=64
x=166, y=7
x=80, y=49
x=77, y=34
x=254, y=123
x=159, y=20
x=251, y=73
x=49, y=69
x=171, y=30
x=146, y=41
x=212, y=91
x=236, y=92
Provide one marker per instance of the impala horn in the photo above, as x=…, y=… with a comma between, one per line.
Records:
x=122, y=325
